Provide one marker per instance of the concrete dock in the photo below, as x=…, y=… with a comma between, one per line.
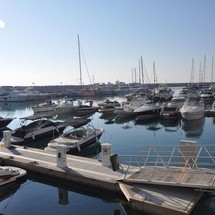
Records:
x=92, y=173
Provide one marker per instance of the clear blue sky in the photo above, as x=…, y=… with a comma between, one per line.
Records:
x=38, y=40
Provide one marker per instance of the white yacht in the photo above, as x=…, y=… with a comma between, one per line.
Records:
x=149, y=110
x=128, y=107
x=14, y=95
x=193, y=108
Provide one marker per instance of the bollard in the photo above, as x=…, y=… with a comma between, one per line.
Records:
x=6, y=138
x=106, y=151
x=114, y=162
x=61, y=157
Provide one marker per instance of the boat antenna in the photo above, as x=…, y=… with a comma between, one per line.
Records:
x=79, y=54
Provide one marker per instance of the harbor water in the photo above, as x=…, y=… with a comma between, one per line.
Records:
x=41, y=196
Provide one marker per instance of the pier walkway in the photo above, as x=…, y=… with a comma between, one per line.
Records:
x=146, y=186
x=186, y=165
x=45, y=162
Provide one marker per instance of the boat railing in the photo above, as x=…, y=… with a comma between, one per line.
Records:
x=160, y=163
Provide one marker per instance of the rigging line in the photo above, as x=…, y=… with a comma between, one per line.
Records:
x=86, y=66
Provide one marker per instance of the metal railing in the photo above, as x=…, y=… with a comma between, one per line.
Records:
x=188, y=164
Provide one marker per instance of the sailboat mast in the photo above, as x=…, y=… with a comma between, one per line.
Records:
x=192, y=72
x=141, y=61
x=204, y=68
x=212, y=70
x=132, y=75
x=139, y=73
x=155, y=79
x=79, y=54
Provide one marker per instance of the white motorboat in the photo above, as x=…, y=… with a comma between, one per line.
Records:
x=35, y=128
x=60, y=106
x=206, y=94
x=48, y=106
x=177, y=101
x=211, y=111
x=76, y=140
x=163, y=93
x=193, y=108
x=108, y=103
x=127, y=110
x=85, y=109
x=128, y=107
x=108, y=106
x=65, y=106
x=149, y=110
x=189, y=91
x=171, y=110
x=10, y=174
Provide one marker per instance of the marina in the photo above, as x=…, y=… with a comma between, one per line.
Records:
x=107, y=109
x=135, y=195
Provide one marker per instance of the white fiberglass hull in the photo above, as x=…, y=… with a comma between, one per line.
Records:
x=9, y=174
x=192, y=115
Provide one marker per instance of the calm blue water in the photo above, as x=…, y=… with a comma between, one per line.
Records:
x=40, y=196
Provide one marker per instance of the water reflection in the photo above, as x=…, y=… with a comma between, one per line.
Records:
x=7, y=192
x=127, y=125
x=123, y=119
x=13, y=106
x=146, y=121
x=107, y=116
x=193, y=128
x=206, y=205
x=63, y=196
x=77, y=197
x=170, y=123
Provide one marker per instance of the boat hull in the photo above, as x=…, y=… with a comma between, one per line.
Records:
x=37, y=134
x=4, y=179
x=192, y=115
x=5, y=121
x=74, y=145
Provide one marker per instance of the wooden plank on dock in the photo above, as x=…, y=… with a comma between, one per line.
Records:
x=161, y=199
x=177, y=176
